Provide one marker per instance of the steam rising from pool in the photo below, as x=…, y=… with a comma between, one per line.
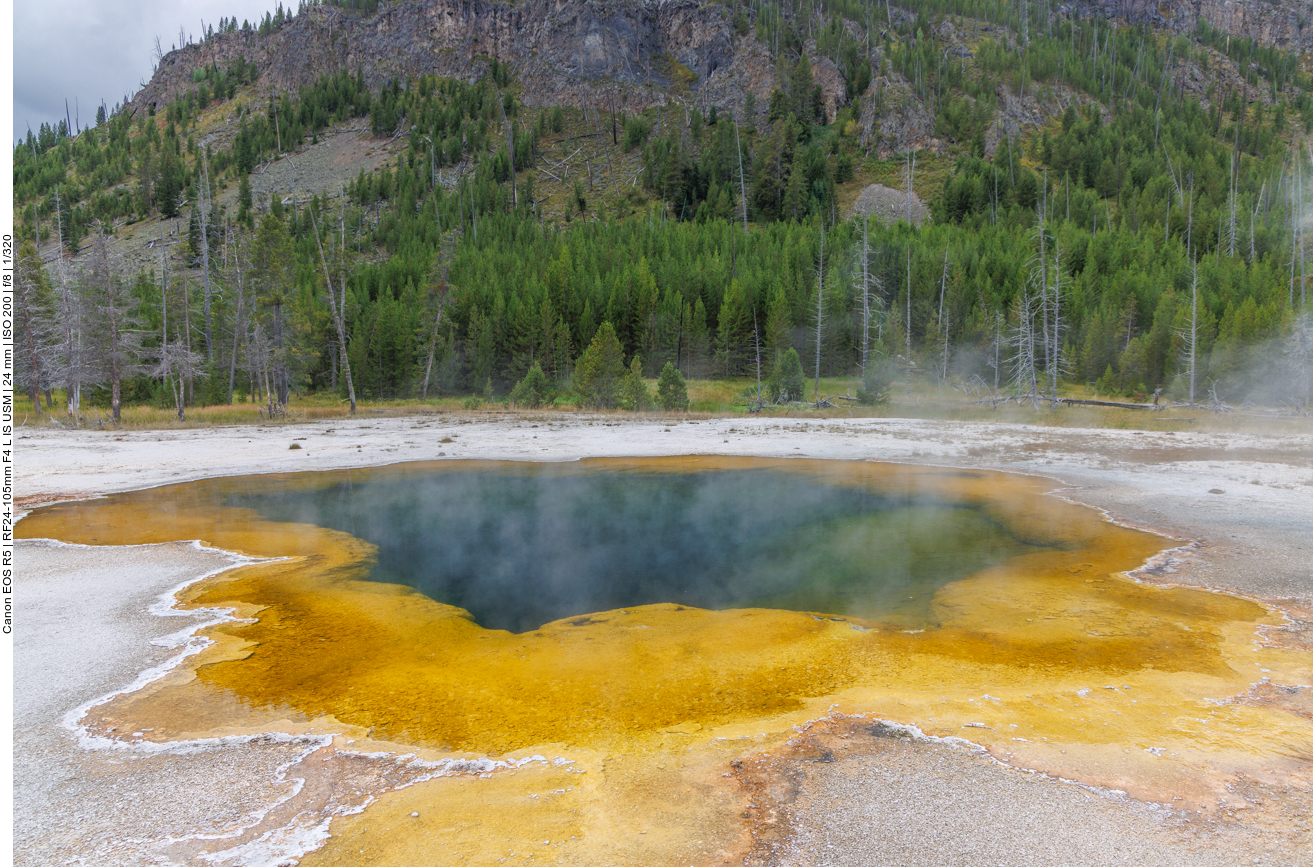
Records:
x=519, y=546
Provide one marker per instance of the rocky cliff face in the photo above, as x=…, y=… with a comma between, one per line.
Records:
x=600, y=52
x=630, y=54
x=1271, y=22
x=1280, y=23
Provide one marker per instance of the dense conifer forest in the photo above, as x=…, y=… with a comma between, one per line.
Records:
x=1148, y=235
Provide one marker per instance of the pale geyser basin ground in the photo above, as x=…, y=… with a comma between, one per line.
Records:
x=1257, y=537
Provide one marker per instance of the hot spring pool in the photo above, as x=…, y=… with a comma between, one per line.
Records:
x=521, y=545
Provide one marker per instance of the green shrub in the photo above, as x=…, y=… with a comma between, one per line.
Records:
x=637, y=129
x=843, y=168
x=876, y=383
x=787, y=382
x=534, y=390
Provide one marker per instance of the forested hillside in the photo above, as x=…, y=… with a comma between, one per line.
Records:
x=1111, y=206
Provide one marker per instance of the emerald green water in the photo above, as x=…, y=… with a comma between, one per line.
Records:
x=520, y=545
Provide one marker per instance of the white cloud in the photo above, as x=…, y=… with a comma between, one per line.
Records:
x=94, y=50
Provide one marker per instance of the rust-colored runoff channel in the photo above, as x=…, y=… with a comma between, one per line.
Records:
x=1052, y=658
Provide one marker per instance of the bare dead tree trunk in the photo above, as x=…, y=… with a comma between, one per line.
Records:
x=460, y=197
x=998, y=348
x=1192, y=333
x=510, y=149
x=738, y=146
x=866, y=296
x=1253, y=218
x=186, y=337
x=820, y=311
x=166, y=354
x=756, y=345
x=205, y=256
x=1043, y=287
x=1231, y=207
x=67, y=312
x=116, y=339
x=268, y=392
x=280, y=374
x=36, y=213
x=442, y=292
x=239, y=325
x=273, y=104
x=1055, y=357
x=433, y=345
x=910, y=158
x=336, y=306
x=1303, y=281
x=31, y=324
x=1024, y=376
x=71, y=314
x=908, y=330
x=943, y=327
x=944, y=347
x=1299, y=191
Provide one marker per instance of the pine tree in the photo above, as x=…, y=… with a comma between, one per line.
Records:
x=645, y=309
x=244, y=201
x=788, y=381
x=635, y=397
x=777, y=322
x=696, y=341
x=274, y=275
x=601, y=372
x=672, y=390
x=733, y=332
x=534, y=390
x=194, y=242
x=168, y=188
x=796, y=194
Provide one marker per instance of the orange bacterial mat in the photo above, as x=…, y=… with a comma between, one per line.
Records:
x=1053, y=660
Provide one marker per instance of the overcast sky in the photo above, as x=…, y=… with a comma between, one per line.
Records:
x=95, y=50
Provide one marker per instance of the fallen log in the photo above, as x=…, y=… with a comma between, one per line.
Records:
x=1071, y=401
x=570, y=157
x=1020, y=399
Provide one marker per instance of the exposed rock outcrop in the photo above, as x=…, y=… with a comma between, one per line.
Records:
x=603, y=53
x=1280, y=23
x=562, y=50
x=890, y=205
x=633, y=54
